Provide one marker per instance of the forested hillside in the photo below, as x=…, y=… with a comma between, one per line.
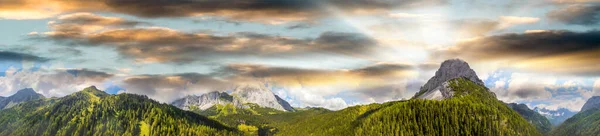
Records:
x=257, y=120
x=585, y=123
x=93, y=112
x=473, y=111
x=540, y=122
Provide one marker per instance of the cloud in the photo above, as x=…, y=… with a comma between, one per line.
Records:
x=262, y=11
x=380, y=82
x=577, y=14
x=299, y=26
x=523, y=86
x=51, y=83
x=155, y=44
x=596, y=88
x=18, y=57
x=508, y=21
x=317, y=77
x=556, y=51
x=574, y=104
x=166, y=88
x=457, y=28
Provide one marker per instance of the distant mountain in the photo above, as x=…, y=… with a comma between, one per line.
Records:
x=261, y=95
x=593, y=102
x=555, y=116
x=584, y=123
x=22, y=95
x=437, y=88
x=204, y=101
x=94, y=112
x=540, y=122
x=463, y=107
x=242, y=96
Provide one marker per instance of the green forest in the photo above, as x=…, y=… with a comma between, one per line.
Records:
x=473, y=111
x=540, y=122
x=586, y=123
x=93, y=112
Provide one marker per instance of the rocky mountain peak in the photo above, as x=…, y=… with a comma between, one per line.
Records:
x=450, y=69
x=259, y=94
x=255, y=93
x=21, y=96
x=591, y=103
x=437, y=86
x=27, y=92
x=203, y=101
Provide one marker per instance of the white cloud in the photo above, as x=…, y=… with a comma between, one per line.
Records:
x=48, y=83
x=528, y=86
x=412, y=16
x=596, y=88
x=306, y=97
x=508, y=21
x=571, y=104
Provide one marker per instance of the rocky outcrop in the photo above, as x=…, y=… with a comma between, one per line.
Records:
x=284, y=104
x=257, y=94
x=437, y=88
x=591, y=103
x=203, y=101
x=23, y=95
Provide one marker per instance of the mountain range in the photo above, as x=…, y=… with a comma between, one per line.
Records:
x=556, y=117
x=241, y=96
x=94, y=112
x=453, y=102
x=540, y=122
x=584, y=123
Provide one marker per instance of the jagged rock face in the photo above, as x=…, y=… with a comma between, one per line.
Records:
x=23, y=95
x=437, y=88
x=259, y=94
x=204, y=101
x=250, y=93
x=593, y=102
x=439, y=93
x=284, y=104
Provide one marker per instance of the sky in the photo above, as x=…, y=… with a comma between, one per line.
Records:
x=317, y=53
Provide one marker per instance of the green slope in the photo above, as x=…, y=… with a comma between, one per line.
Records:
x=584, y=123
x=93, y=112
x=473, y=111
x=540, y=122
x=256, y=120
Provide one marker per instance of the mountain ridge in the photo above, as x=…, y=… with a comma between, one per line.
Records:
x=20, y=96
x=541, y=123
x=437, y=87
x=593, y=102
x=556, y=117
x=94, y=112
x=249, y=93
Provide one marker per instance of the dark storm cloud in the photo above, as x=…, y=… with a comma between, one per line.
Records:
x=578, y=14
x=383, y=69
x=550, y=42
x=264, y=11
x=556, y=51
x=245, y=71
x=15, y=56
